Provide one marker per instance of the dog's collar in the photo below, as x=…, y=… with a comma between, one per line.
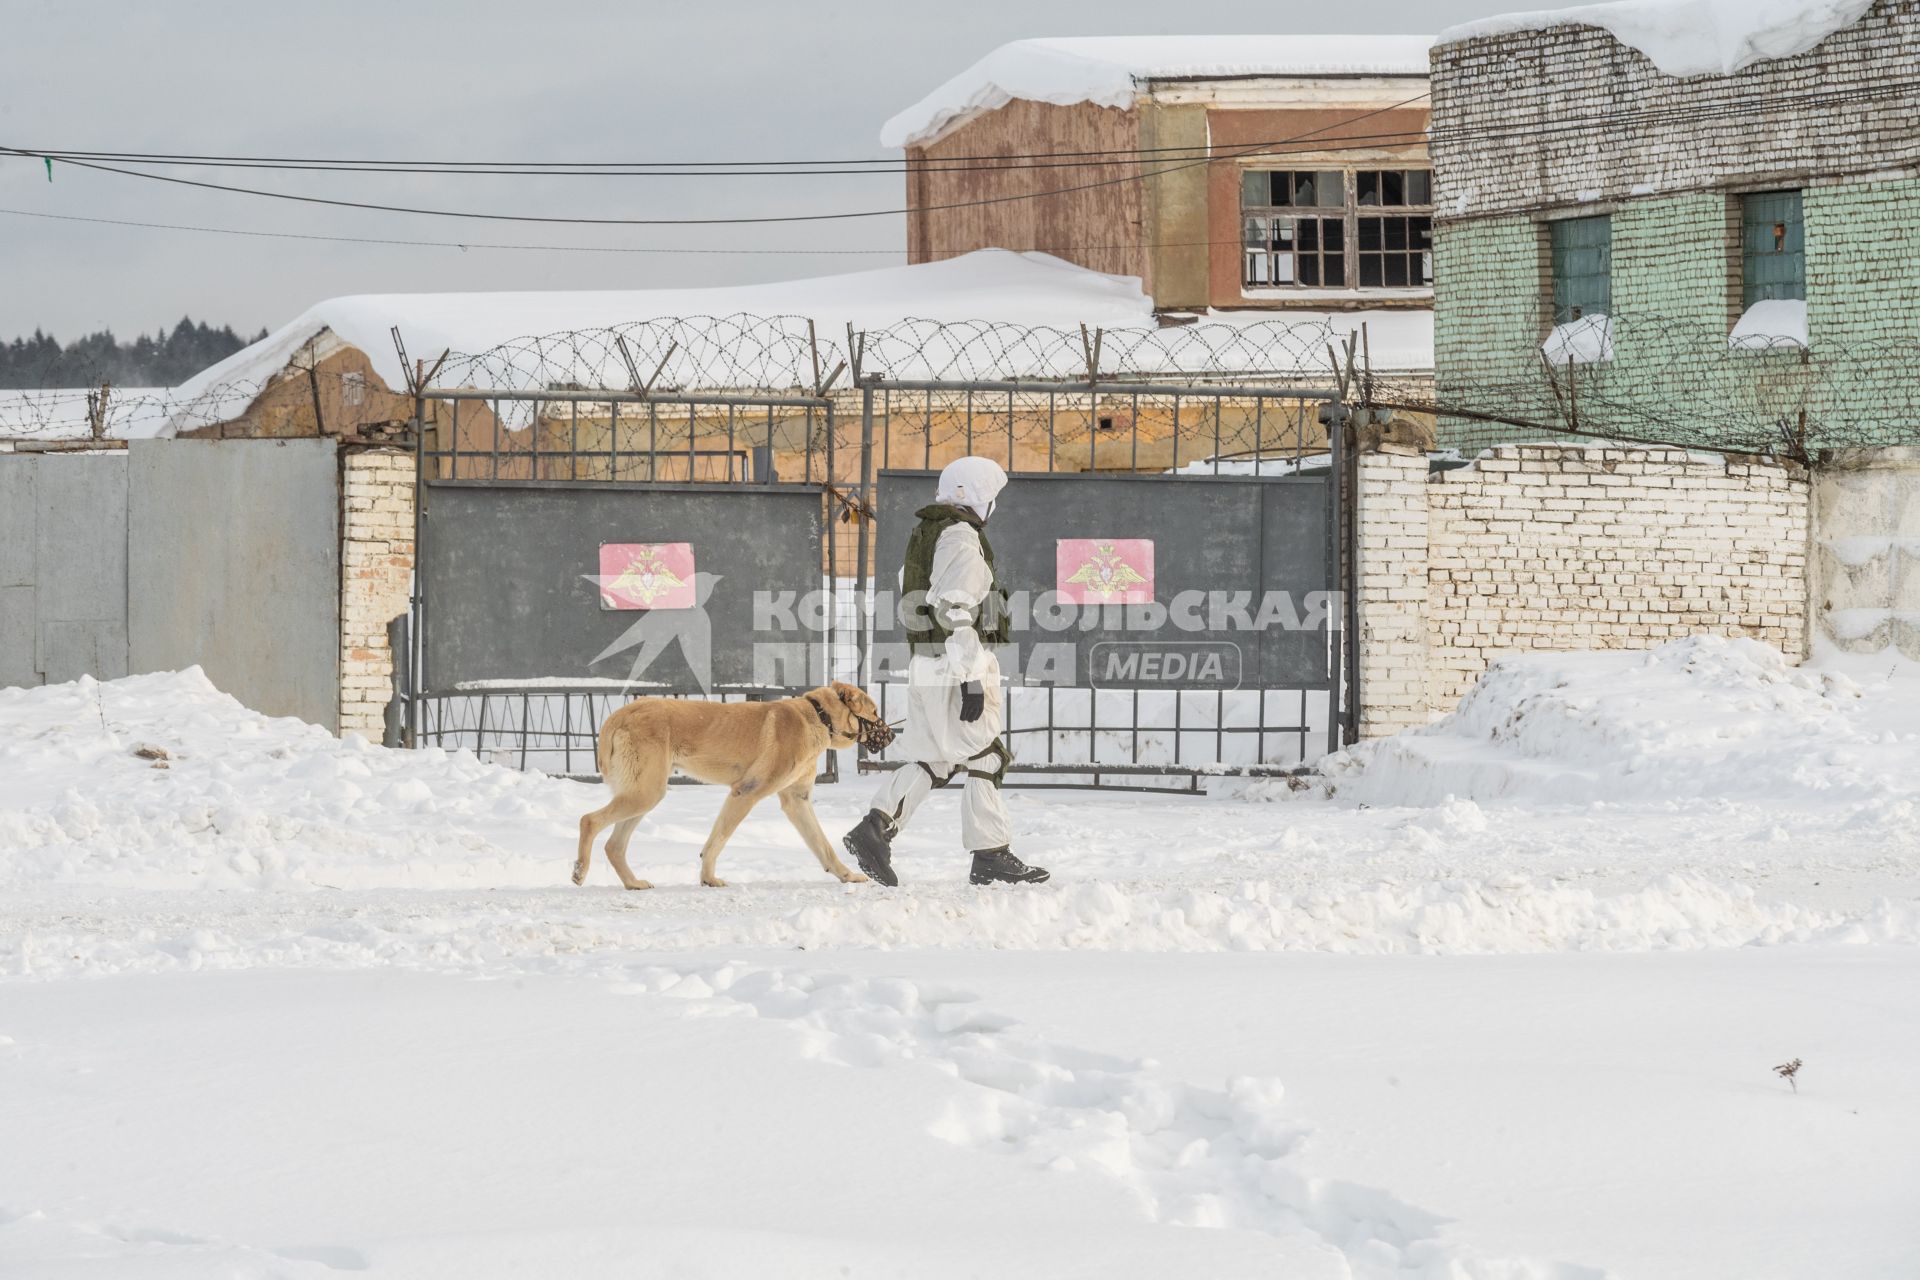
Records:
x=821, y=711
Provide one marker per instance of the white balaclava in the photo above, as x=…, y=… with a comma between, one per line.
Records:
x=972, y=482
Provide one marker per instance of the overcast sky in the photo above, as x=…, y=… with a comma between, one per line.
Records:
x=488, y=80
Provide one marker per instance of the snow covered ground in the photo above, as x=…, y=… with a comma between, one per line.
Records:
x=1499, y=998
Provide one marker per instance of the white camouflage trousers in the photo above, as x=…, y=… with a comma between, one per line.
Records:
x=983, y=814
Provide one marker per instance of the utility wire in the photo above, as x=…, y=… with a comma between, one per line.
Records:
x=1566, y=124
x=684, y=222
x=896, y=165
x=669, y=250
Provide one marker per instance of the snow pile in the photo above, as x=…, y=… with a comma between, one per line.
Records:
x=1701, y=717
x=1690, y=37
x=1108, y=70
x=242, y=799
x=1583, y=340
x=1771, y=323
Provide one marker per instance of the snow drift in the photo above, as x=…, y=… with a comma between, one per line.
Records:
x=1701, y=717
x=244, y=799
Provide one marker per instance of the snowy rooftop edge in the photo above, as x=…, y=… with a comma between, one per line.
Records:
x=1687, y=37
x=1106, y=71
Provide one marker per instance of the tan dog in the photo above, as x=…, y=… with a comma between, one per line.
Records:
x=755, y=749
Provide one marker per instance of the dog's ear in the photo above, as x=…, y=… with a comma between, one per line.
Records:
x=844, y=691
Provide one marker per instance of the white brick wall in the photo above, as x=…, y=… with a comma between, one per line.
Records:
x=1532, y=116
x=376, y=564
x=1390, y=580
x=1565, y=547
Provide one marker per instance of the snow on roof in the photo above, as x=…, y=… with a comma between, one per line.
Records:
x=1107, y=70
x=1690, y=37
x=990, y=313
x=991, y=284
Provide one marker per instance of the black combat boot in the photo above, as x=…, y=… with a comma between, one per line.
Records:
x=999, y=864
x=871, y=844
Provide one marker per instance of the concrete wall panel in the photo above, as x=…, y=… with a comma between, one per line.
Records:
x=234, y=565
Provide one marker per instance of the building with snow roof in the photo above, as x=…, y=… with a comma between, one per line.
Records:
x=1276, y=173
x=1680, y=220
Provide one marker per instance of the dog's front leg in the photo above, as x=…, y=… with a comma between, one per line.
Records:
x=742, y=798
x=797, y=803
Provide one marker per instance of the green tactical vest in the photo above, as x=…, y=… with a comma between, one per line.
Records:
x=925, y=630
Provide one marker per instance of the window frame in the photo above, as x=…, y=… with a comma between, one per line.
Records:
x=1263, y=247
x=1789, y=230
x=1565, y=309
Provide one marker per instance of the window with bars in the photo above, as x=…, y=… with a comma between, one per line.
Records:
x=1581, y=250
x=1335, y=229
x=1773, y=262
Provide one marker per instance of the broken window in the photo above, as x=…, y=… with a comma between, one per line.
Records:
x=1582, y=255
x=1773, y=262
x=1320, y=228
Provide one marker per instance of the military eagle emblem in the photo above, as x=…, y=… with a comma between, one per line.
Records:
x=645, y=579
x=1106, y=573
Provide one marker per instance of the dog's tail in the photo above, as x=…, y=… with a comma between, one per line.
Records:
x=605, y=750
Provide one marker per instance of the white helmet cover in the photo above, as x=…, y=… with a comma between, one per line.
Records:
x=972, y=482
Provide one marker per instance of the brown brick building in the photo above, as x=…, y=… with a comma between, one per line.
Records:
x=1227, y=172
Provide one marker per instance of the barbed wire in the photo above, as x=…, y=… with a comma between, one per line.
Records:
x=1674, y=380
x=1627, y=377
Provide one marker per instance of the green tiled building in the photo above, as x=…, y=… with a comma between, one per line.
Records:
x=1729, y=258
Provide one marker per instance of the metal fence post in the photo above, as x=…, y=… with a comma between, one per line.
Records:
x=416, y=596
x=864, y=516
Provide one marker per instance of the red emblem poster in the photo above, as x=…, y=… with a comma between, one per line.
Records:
x=1104, y=570
x=646, y=575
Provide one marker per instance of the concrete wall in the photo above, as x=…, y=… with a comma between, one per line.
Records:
x=1866, y=571
x=63, y=566
x=1552, y=547
x=172, y=553
x=233, y=564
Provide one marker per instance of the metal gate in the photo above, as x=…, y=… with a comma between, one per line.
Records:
x=575, y=549
x=1177, y=564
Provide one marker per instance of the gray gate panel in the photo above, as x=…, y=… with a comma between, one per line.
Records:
x=509, y=577
x=1224, y=537
x=80, y=553
x=235, y=565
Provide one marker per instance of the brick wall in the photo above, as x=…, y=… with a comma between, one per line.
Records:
x=1530, y=118
x=1676, y=296
x=376, y=566
x=1557, y=547
x=1390, y=581
x=1513, y=150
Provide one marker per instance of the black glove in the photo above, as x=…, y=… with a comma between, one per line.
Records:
x=973, y=701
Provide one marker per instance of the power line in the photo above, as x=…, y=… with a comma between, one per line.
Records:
x=668, y=250
x=885, y=165
x=1629, y=120
x=684, y=222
